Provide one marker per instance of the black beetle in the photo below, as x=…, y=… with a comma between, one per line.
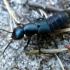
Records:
x=41, y=27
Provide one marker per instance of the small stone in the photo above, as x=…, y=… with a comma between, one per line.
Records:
x=19, y=1
x=3, y=60
x=68, y=46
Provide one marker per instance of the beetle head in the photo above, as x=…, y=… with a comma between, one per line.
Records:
x=18, y=33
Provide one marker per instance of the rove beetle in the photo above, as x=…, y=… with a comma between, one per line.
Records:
x=41, y=27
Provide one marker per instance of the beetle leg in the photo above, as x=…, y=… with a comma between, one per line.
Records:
x=52, y=40
x=27, y=42
x=38, y=46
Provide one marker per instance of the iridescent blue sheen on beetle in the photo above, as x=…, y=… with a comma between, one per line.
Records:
x=42, y=26
x=18, y=33
x=30, y=29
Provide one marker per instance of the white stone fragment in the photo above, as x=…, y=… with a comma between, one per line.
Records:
x=3, y=60
x=35, y=14
x=19, y=1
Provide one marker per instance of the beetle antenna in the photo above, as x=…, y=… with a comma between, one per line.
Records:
x=6, y=30
x=7, y=47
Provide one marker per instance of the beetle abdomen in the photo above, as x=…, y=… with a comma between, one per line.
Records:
x=57, y=20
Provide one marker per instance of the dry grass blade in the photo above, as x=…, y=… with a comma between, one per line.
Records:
x=67, y=25
x=43, y=13
x=60, y=62
x=47, y=51
x=11, y=12
x=60, y=31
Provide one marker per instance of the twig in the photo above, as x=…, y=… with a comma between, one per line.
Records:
x=46, y=7
x=47, y=51
x=11, y=12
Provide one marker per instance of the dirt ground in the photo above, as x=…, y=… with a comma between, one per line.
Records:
x=21, y=12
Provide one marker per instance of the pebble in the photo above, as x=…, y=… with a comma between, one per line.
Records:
x=18, y=1
x=68, y=46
